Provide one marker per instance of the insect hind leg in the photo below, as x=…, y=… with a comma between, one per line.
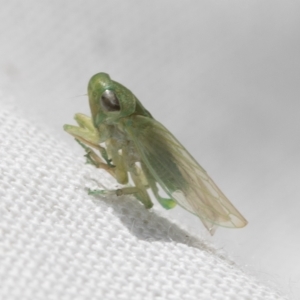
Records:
x=138, y=193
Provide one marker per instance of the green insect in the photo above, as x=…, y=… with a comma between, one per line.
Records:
x=132, y=143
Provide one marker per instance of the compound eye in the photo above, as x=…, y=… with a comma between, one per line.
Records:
x=109, y=101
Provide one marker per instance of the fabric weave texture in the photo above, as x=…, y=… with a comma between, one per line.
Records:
x=56, y=242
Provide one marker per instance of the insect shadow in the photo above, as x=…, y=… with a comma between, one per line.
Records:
x=149, y=225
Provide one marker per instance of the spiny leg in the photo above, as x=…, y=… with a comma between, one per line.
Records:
x=118, y=192
x=139, y=191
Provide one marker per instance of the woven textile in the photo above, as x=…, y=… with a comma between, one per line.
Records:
x=59, y=243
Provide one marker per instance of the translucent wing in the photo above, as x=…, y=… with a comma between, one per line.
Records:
x=181, y=177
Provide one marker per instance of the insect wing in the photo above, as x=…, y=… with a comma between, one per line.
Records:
x=181, y=177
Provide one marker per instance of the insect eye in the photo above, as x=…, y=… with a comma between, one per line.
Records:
x=109, y=101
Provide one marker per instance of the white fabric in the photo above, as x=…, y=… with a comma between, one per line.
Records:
x=222, y=76
x=59, y=243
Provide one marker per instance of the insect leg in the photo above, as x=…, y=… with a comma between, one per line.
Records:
x=118, y=192
x=142, y=194
x=118, y=160
x=88, y=134
x=129, y=159
x=139, y=191
x=94, y=159
x=165, y=202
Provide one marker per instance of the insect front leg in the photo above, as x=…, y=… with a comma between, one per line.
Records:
x=87, y=135
x=94, y=159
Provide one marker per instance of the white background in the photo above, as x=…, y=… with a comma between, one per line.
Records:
x=223, y=76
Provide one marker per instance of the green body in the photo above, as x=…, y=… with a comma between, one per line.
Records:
x=136, y=145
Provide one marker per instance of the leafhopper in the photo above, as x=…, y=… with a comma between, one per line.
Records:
x=124, y=139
